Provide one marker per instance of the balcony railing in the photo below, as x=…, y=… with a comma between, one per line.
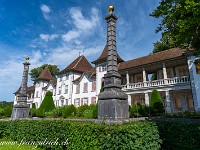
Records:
x=168, y=81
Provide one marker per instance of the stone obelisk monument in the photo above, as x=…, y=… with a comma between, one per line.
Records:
x=112, y=102
x=21, y=109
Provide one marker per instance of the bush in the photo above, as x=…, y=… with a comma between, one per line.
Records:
x=178, y=135
x=94, y=109
x=139, y=110
x=81, y=109
x=88, y=113
x=69, y=110
x=8, y=111
x=33, y=110
x=83, y=135
x=156, y=104
x=46, y=106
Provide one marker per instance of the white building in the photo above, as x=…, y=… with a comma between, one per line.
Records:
x=176, y=77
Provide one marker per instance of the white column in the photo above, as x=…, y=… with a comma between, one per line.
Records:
x=129, y=100
x=144, y=75
x=168, y=102
x=146, y=96
x=127, y=77
x=164, y=71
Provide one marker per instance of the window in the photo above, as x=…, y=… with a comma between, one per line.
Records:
x=60, y=79
x=99, y=68
x=77, y=102
x=66, y=89
x=67, y=76
x=78, y=89
x=93, y=85
x=93, y=100
x=104, y=67
x=85, y=87
x=62, y=102
x=85, y=101
x=59, y=90
x=66, y=101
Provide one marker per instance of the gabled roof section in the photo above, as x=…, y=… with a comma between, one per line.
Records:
x=80, y=64
x=45, y=75
x=29, y=89
x=156, y=57
x=103, y=56
x=90, y=73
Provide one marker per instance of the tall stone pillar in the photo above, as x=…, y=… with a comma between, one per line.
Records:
x=21, y=108
x=112, y=103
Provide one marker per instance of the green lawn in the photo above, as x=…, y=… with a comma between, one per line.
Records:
x=8, y=144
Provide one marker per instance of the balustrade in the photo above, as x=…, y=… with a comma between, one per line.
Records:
x=160, y=82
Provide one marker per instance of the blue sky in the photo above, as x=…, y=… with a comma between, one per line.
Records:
x=54, y=32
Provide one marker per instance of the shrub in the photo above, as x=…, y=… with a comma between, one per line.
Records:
x=46, y=106
x=69, y=110
x=156, y=104
x=83, y=135
x=94, y=109
x=1, y=112
x=134, y=111
x=8, y=111
x=33, y=110
x=88, y=113
x=81, y=109
x=177, y=135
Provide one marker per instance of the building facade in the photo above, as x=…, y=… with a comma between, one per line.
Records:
x=173, y=73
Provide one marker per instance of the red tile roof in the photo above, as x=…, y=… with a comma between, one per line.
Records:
x=103, y=56
x=164, y=55
x=80, y=64
x=45, y=75
x=29, y=89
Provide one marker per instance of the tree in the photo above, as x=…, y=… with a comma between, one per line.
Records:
x=46, y=106
x=35, y=73
x=180, y=23
x=156, y=103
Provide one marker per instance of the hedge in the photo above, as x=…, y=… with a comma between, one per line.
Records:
x=84, y=135
x=179, y=135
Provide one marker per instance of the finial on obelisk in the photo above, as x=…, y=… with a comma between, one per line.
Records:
x=111, y=9
x=27, y=58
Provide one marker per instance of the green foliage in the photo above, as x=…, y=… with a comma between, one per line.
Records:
x=156, y=103
x=160, y=46
x=4, y=104
x=179, y=135
x=179, y=23
x=139, y=110
x=46, y=106
x=81, y=109
x=35, y=73
x=69, y=110
x=8, y=111
x=88, y=113
x=84, y=135
x=33, y=110
x=94, y=109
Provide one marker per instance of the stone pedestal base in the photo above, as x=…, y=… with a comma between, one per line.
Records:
x=20, y=111
x=113, y=109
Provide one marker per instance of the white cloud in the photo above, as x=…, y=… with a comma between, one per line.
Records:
x=45, y=10
x=47, y=37
x=71, y=35
x=81, y=25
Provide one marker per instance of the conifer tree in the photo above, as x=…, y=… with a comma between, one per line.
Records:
x=47, y=105
x=156, y=103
